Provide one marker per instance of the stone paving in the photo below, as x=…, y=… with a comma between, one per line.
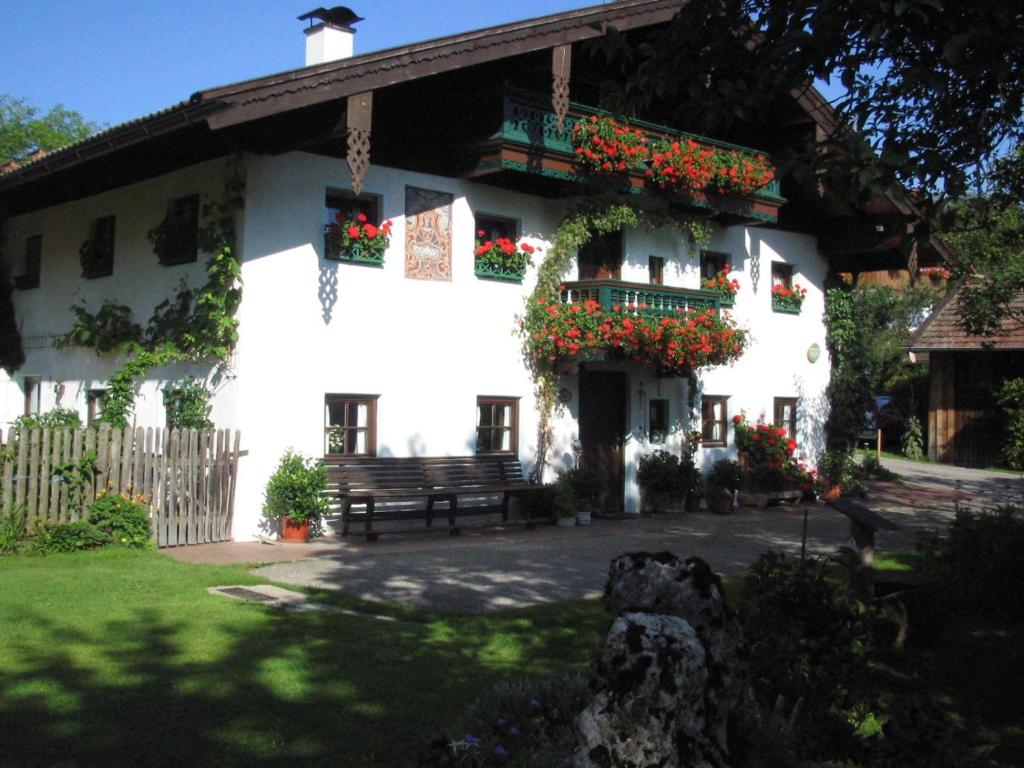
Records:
x=498, y=568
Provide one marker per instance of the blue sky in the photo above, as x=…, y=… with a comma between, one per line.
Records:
x=114, y=60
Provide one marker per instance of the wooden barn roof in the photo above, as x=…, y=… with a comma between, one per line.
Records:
x=941, y=332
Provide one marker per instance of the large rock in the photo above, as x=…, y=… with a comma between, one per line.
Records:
x=671, y=679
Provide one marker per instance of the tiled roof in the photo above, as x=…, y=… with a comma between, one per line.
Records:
x=942, y=333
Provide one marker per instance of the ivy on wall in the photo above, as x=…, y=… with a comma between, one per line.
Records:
x=588, y=218
x=197, y=324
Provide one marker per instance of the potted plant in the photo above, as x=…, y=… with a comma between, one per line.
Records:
x=586, y=485
x=605, y=145
x=834, y=467
x=722, y=285
x=565, y=502
x=661, y=476
x=295, y=495
x=357, y=240
x=724, y=481
x=502, y=259
x=788, y=300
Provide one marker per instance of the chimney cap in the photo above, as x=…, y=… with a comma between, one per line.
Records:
x=338, y=16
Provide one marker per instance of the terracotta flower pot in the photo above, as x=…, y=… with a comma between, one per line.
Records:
x=294, y=533
x=832, y=491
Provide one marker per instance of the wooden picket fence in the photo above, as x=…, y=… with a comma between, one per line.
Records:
x=187, y=477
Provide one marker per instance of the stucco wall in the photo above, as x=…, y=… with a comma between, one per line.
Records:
x=309, y=326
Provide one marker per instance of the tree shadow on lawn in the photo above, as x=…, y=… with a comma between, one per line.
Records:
x=266, y=687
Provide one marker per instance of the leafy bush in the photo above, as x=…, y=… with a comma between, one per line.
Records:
x=563, y=499
x=805, y=640
x=125, y=519
x=526, y=723
x=12, y=530
x=586, y=483
x=913, y=440
x=1011, y=398
x=870, y=468
x=66, y=537
x=57, y=418
x=296, y=490
x=726, y=474
x=188, y=404
x=980, y=565
x=662, y=472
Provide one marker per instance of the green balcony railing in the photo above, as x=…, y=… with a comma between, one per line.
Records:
x=640, y=297
x=529, y=121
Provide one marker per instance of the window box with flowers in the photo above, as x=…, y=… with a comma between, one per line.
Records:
x=357, y=240
x=604, y=145
x=723, y=286
x=502, y=259
x=788, y=300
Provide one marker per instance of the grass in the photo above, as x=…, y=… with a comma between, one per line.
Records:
x=121, y=657
x=926, y=460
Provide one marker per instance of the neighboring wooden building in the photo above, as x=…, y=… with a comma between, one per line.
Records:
x=965, y=373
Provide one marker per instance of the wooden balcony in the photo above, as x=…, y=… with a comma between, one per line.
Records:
x=640, y=297
x=530, y=142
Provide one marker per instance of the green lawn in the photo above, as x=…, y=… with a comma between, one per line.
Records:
x=121, y=657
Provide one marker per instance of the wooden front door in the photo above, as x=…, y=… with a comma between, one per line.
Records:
x=603, y=431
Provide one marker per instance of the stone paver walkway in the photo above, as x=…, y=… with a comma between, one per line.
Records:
x=492, y=569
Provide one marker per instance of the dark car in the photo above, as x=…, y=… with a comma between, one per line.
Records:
x=886, y=415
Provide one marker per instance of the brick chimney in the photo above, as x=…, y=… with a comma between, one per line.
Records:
x=330, y=34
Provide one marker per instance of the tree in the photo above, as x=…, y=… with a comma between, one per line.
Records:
x=23, y=130
x=934, y=89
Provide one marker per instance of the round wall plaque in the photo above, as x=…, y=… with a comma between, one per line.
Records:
x=813, y=353
x=564, y=395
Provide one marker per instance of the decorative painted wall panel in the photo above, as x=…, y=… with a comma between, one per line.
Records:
x=428, y=234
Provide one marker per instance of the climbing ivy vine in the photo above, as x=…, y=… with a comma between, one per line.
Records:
x=12, y=354
x=589, y=217
x=197, y=324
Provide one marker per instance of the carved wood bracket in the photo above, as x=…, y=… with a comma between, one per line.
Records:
x=561, y=64
x=360, y=120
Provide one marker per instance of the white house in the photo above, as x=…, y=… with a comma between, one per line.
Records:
x=418, y=355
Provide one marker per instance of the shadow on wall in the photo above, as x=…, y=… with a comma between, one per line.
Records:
x=813, y=412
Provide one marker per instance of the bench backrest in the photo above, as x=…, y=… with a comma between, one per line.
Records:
x=364, y=474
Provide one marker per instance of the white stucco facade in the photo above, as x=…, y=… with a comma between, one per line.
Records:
x=426, y=350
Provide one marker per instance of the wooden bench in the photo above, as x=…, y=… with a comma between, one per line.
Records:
x=864, y=523
x=374, y=488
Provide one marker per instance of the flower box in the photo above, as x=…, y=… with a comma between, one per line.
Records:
x=356, y=254
x=723, y=286
x=357, y=241
x=491, y=271
x=788, y=300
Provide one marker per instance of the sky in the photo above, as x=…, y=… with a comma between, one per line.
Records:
x=113, y=60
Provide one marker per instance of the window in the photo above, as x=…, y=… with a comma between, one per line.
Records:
x=349, y=206
x=657, y=431
x=94, y=405
x=495, y=227
x=712, y=262
x=601, y=257
x=497, y=425
x=782, y=274
x=32, y=386
x=714, y=420
x=32, y=264
x=656, y=270
x=176, y=239
x=97, y=253
x=785, y=415
x=350, y=425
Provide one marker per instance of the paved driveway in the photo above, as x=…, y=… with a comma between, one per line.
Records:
x=492, y=569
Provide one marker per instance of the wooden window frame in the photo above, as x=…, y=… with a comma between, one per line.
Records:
x=350, y=204
x=602, y=266
x=713, y=262
x=791, y=425
x=495, y=227
x=183, y=214
x=784, y=273
x=656, y=270
x=32, y=386
x=32, y=264
x=102, y=234
x=512, y=428
x=705, y=402
x=655, y=437
x=370, y=429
